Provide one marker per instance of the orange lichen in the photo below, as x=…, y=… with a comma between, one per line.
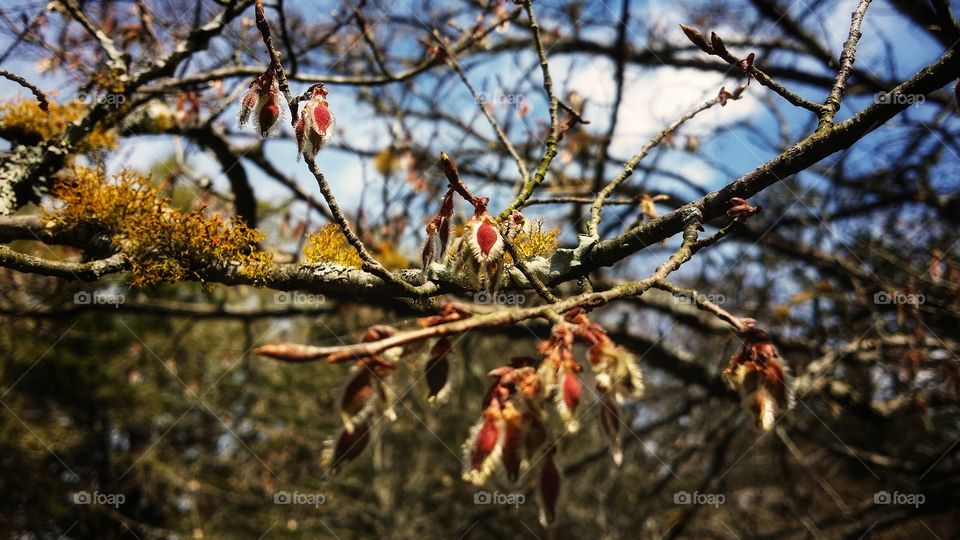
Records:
x=25, y=118
x=163, y=244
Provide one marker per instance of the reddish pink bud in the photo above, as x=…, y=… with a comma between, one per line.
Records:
x=263, y=100
x=487, y=236
x=268, y=117
x=315, y=126
x=484, y=239
x=571, y=391
x=482, y=449
x=484, y=444
x=512, y=445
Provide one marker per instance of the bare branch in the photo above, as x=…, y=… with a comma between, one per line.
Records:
x=847, y=58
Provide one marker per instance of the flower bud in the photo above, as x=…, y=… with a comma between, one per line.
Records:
x=315, y=126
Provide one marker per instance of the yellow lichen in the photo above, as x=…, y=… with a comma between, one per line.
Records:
x=162, y=243
x=25, y=118
x=534, y=241
x=329, y=245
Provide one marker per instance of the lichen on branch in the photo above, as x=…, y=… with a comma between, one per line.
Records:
x=27, y=120
x=162, y=244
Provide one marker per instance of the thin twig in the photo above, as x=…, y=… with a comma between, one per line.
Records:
x=41, y=97
x=629, y=166
x=553, y=138
x=702, y=303
x=847, y=58
x=455, y=64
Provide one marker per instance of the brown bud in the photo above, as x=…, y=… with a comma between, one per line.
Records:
x=449, y=168
x=437, y=368
x=610, y=420
x=697, y=38
x=549, y=489
x=717, y=44
x=348, y=446
x=723, y=96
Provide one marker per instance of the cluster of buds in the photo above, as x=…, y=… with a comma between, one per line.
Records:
x=559, y=373
x=262, y=100
x=616, y=376
x=365, y=394
x=716, y=47
x=315, y=125
x=511, y=431
x=478, y=253
x=761, y=376
x=513, y=428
